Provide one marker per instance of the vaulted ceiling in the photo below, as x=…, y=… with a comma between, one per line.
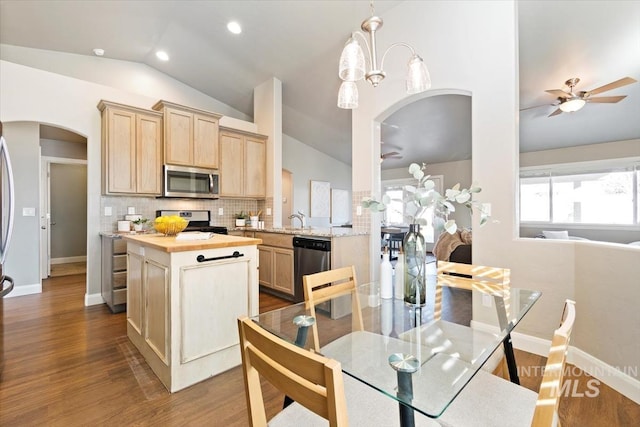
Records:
x=299, y=43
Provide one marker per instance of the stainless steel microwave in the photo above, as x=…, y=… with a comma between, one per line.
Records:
x=180, y=181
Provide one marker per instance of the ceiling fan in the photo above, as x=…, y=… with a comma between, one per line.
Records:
x=570, y=101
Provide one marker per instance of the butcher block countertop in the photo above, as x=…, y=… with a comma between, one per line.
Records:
x=169, y=243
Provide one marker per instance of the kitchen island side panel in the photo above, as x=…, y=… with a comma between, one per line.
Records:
x=205, y=299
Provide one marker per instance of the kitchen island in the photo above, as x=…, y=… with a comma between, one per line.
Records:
x=183, y=299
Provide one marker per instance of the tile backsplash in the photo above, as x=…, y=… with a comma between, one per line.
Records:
x=147, y=207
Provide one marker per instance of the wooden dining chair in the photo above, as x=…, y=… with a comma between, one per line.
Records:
x=316, y=383
x=491, y=401
x=487, y=279
x=313, y=381
x=326, y=285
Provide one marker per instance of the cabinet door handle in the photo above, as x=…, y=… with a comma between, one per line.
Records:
x=236, y=254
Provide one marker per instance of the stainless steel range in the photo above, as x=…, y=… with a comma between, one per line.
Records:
x=198, y=220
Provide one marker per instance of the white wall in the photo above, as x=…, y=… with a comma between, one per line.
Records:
x=23, y=260
x=30, y=94
x=472, y=45
x=307, y=164
x=582, y=153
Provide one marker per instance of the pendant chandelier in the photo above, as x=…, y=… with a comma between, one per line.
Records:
x=352, y=65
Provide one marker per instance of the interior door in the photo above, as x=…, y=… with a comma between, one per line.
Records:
x=45, y=218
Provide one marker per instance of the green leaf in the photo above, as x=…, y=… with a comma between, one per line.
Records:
x=450, y=226
x=413, y=167
x=463, y=197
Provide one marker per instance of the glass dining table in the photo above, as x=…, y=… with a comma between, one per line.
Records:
x=421, y=359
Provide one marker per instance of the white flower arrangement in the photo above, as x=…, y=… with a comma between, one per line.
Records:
x=424, y=196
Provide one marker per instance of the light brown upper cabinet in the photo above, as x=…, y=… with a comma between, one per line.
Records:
x=243, y=167
x=131, y=150
x=190, y=136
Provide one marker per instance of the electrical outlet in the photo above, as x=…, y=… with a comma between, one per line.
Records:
x=108, y=211
x=268, y=211
x=220, y=211
x=486, y=300
x=28, y=211
x=358, y=210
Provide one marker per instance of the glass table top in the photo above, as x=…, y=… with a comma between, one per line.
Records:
x=399, y=342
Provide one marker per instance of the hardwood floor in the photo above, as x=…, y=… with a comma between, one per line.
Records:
x=70, y=365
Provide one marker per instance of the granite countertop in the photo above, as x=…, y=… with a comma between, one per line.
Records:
x=170, y=244
x=322, y=232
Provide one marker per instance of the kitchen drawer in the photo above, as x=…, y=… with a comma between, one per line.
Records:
x=275, y=239
x=120, y=262
x=119, y=280
x=119, y=246
x=119, y=297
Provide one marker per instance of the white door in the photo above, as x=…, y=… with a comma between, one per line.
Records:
x=45, y=219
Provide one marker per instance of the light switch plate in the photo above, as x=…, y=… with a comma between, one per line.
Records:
x=108, y=211
x=358, y=210
x=220, y=211
x=268, y=211
x=28, y=211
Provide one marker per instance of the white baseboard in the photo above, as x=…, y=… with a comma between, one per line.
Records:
x=614, y=378
x=69, y=259
x=93, y=299
x=21, y=290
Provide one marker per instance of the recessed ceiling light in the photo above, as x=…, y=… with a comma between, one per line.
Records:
x=162, y=55
x=234, y=27
x=98, y=52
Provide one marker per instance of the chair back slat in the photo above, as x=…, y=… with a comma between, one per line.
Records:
x=546, y=412
x=469, y=276
x=310, y=379
x=326, y=285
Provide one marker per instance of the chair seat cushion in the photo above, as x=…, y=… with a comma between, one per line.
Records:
x=366, y=407
x=490, y=401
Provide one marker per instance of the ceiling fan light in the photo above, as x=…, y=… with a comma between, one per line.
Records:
x=348, y=95
x=418, y=79
x=572, y=105
x=351, y=65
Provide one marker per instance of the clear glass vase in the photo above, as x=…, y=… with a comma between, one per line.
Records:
x=414, y=267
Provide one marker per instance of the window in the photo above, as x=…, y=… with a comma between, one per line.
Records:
x=596, y=193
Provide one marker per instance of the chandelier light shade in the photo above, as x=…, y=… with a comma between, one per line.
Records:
x=348, y=95
x=572, y=105
x=352, y=66
x=418, y=79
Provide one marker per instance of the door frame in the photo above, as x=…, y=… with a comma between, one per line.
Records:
x=45, y=209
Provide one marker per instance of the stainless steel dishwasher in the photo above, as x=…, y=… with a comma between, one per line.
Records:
x=313, y=255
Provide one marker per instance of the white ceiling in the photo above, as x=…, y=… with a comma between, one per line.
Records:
x=299, y=43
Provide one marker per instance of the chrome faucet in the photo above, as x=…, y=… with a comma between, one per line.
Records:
x=299, y=216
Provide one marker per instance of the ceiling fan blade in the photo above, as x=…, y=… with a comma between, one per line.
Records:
x=613, y=85
x=559, y=93
x=538, y=106
x=606, y=99
x=392, y=153
x=555, y=113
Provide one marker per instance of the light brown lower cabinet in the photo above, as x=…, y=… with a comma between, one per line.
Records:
x=276, y=262
x=276, y=268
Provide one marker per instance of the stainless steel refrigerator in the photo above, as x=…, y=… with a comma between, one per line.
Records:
x=6, y=227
